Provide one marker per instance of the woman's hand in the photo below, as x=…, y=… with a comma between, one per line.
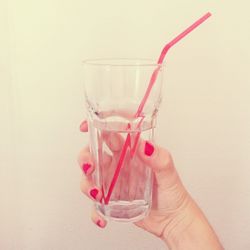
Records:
x=174, y=216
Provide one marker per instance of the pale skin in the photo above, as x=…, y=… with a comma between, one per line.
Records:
x=174, y=217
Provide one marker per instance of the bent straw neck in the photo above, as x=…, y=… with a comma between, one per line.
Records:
x=163, y=55
x=182, y=35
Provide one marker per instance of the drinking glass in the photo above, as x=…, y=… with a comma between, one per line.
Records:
x=114, y=90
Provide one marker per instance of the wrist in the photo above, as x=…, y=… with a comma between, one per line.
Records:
x=189, y=229
x=179, y=221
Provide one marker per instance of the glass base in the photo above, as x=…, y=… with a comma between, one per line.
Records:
x=124, y=211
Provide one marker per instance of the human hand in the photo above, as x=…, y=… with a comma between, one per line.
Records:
x=173, y=212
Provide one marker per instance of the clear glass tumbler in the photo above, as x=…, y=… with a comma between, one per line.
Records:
x=114, y=89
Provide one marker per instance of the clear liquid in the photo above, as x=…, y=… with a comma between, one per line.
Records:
x=130, y=198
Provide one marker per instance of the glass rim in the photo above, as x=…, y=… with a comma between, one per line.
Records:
x=122, y=62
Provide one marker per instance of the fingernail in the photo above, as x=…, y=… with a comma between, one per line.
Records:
x=93, y=192
x=86, y=167
x=149, y=149
x=83, y=125
x=98, y=223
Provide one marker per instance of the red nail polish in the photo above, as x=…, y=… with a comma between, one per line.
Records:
x=149, y=149
x=83, y=125
x=86, y=167
x=93, y=192
x=98, y=223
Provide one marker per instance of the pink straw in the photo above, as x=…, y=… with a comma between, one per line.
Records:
x=127, y=143
x=163, y=54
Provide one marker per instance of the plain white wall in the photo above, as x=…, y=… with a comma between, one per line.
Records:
x=204, y=119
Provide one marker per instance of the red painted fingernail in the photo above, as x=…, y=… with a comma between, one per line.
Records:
x=98, y=223
x=83, y=125
x=93, y=192
x=149, y=149
x=86, y=167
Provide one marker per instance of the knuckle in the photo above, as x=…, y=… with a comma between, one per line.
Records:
x=166, y=159
x=83, y=186
x=79, y=158
x=83, y=155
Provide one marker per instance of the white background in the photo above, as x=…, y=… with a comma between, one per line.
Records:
x=204, y=119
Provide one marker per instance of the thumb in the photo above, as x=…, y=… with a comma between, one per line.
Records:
x=161, y=162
